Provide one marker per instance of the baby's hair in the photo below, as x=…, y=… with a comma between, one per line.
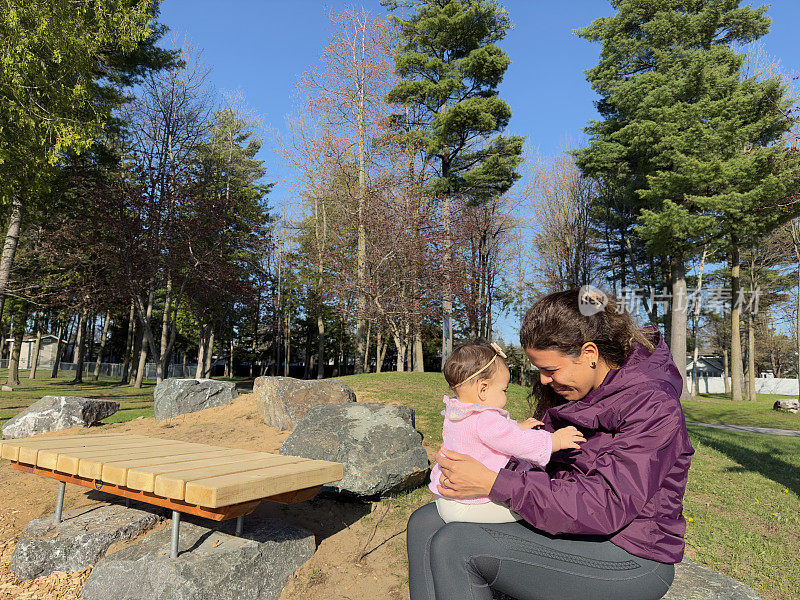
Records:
x=469, y=358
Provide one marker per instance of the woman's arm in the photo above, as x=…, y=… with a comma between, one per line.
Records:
x=613, y=493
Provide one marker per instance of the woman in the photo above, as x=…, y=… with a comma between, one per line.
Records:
x=604, y=521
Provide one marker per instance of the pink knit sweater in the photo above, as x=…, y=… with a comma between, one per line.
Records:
x=490, y=436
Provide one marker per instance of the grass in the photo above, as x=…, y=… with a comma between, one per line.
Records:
x=742, y=500
x=718, y=409
x=133, y=402
x=742, y=504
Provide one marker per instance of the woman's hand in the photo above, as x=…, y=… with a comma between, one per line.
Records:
x=463, y=476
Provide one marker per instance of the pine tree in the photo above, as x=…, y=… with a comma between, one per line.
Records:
x=695, y=147
x=450, y=67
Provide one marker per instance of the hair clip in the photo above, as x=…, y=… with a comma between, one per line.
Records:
x=498, y=350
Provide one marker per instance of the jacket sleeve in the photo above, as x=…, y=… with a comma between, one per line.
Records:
x=611, y=494
x=505, y=436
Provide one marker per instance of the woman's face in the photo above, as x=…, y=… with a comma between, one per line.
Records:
x=570, y=377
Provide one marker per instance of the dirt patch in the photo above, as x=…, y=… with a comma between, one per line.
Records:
x=361, y=545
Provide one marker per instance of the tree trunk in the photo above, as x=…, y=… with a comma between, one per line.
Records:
x=320, y=341
x=37, y=346
x=209, y=353
x=695, y=318
x=361, y=266
x=145, y=342
x=419, y=358
x=736, y=340
x=287, y=347
x=366, y=347
x=103, y=337
x=795, y=231
x=255, y=336
x=138, y=341
x=90, y=329
x=751, y=358
x=678, y=319
x=126, y=359
x=199, y=372
x=447, y=292
x=725, y=373
x=164, y=346
x=231, y=347
x=19, y=334
x=10, y=249
x=79, y=346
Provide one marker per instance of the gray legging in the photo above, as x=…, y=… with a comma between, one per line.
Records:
x=460, y=561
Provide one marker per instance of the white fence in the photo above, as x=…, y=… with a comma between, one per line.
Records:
x=764, y=385
x=114, y=370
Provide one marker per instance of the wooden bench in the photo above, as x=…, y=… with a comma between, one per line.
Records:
x=198, y=479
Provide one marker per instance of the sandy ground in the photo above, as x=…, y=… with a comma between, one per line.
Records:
x=360, y=545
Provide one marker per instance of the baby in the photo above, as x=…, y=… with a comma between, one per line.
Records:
x=476, y=424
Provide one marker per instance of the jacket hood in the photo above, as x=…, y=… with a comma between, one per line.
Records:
x=657, y=368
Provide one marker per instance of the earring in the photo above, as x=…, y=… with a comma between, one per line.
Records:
x=593, y=365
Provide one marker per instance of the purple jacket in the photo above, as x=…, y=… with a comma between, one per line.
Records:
x=627, y=480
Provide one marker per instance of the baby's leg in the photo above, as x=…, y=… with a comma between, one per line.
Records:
x=488, y=512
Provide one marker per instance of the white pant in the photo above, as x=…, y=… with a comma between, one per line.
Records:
x=489, y=512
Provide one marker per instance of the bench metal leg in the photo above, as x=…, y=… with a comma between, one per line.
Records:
x=239, y=525
x=60, y=501
x=176, y=523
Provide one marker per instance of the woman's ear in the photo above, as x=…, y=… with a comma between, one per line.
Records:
x=590, y=354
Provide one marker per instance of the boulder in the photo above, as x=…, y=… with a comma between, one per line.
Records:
x=696, y=582
x=211, y=565
x=377, y=443
x=80, y=540
x=175, y=396
x=283, y=401
x=787, y=405
x=53, y=413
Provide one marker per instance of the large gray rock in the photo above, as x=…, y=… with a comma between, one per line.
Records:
x=210, y=565
x=53, y=413
x=377, y=443
x=283, y=401
x=175, y=397
x=696, y=582
x=80, y=540
x=787, y=405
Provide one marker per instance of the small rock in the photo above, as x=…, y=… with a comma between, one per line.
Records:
x=7, y=388
x=283, y=401
x=377, y=443
x=82, y=537
x=787, y=405
x=210, y=565
x=53, y=413
x=173, y=396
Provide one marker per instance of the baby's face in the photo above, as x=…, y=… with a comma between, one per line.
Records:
x=495, y=392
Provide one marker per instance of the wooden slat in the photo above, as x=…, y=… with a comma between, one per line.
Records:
x=173, y=484
x=144, y=478
x=92, y=466
x=243, y=487
x=68, y=461
x=27, y=449
x=116, y=472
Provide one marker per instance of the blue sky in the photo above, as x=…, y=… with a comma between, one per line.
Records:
x=260, y=48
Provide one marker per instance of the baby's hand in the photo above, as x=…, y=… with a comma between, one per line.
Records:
x=567, y=437
x=530, y=423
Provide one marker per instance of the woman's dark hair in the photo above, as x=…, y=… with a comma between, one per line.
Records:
x=466, y=359
x=565, y=321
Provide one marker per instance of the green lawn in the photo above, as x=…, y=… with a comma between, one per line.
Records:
x=741, y=501
x=133, y=402
x=718, y=408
